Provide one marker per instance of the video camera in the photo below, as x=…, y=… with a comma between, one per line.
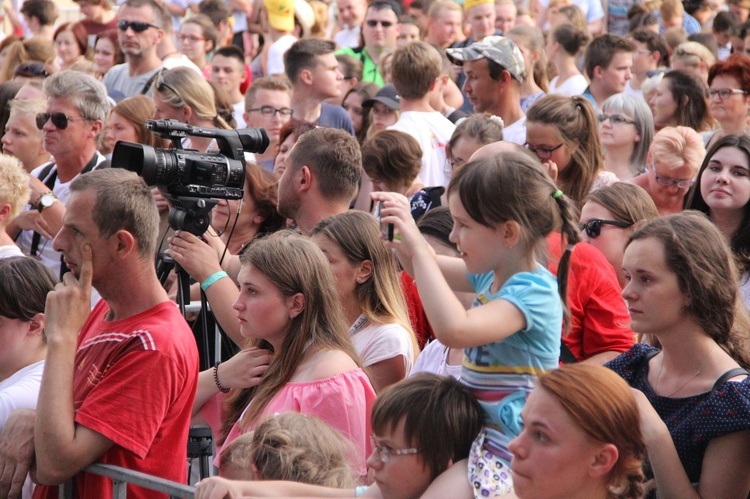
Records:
x=183, y=172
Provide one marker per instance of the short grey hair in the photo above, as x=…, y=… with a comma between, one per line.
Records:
x=633, y=107
x=85, y=92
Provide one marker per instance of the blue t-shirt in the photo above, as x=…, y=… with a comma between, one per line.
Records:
x=335, y=117
x=501, y=374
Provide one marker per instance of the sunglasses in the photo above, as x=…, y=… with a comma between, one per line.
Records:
x=31, y=70
x=137, y=26
x=60, y=120
x=385, y=24
x=593, y=227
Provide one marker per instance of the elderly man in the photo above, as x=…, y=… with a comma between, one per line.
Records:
x=76, y=110
x=119, y=380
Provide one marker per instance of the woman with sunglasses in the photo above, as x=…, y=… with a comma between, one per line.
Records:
x=722, y=191
x=673, y=161
x=609, y=217
x=562, y=132
x=626, y=129
x=182, y=94
x=729, y=96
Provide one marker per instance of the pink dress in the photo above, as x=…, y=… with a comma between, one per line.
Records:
x=343, y=401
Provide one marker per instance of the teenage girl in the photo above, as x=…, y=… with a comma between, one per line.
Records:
x=503, y=208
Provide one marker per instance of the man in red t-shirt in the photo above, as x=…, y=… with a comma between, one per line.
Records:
x=119, y=381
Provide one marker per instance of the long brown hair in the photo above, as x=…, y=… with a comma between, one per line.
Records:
x=294, y=265
x=573, y=118
x=698, y=255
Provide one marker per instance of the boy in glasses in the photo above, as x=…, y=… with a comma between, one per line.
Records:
x=268, y=104
x=421, y=426
x=380, y=32
x=139, y=31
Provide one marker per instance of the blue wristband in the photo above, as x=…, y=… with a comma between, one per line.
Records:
x=212, y=279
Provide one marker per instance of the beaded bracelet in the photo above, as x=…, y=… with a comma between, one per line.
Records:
x=216, y=379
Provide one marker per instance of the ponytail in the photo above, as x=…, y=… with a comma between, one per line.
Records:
x=570, y=236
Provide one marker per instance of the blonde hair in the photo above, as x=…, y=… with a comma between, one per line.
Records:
x=31, y=49
x=380, y=298
x=678, y=147
x=692, y=54
x=183, y=86
x=30, y=108
x=293, y=447
x=14, y=184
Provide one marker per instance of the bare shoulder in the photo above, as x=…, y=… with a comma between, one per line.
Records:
x=323, y=364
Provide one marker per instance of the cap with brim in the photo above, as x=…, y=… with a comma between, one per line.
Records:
x=498, y=49
x=280, y=14
x=386, y=95
x=471, y=3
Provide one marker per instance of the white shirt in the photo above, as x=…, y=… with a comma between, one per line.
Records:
x=516, y=132
x=378, y=342
x=275, y=62
x=432, y=131
x=348, y=37
x=575, y=85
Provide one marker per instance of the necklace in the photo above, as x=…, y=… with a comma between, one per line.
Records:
x=700, y=370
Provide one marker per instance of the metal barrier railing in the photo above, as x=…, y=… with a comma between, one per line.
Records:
x=121, y=477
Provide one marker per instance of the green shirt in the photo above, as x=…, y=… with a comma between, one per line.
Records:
x=370, y=70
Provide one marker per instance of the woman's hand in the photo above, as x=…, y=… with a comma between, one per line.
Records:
x=217, y=488
x=652, y=426
x=194, y=255
x=161, y=202
x=551, y=168
x=245, y=369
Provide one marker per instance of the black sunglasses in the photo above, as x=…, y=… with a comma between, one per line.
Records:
x=593, y=227
x=137, y=26
x=31, y=70
x=60, y=120
x=386, y=24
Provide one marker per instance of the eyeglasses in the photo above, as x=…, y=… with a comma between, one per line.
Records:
x=725, y=93
x=593, y=227
x=270, y=111
x=385, y=453
x=385, y=24
x=669, y=182
x=60, y=120
x=137, y=26
x=615, y=119
x=543, y=152
x=189, y=38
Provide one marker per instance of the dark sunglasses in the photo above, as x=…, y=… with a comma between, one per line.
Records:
x=137, y=26
x=31, y=70
x=593, y=227
x=385, y=24
x=60, y=120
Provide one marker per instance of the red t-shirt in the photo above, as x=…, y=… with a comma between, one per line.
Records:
x=134, y=383
x=599, y=319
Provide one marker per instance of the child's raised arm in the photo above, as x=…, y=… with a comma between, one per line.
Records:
x=452, y=324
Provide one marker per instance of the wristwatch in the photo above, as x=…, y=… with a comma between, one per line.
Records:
x=45, y=201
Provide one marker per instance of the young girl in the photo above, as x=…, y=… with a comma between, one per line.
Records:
x=503, y=208
x=370, y=294
x=288, y=305
x=562, y=132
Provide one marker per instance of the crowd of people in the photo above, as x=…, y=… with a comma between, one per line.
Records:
x=497, y=248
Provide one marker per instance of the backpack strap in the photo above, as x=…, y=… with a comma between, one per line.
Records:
x=727, y=376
